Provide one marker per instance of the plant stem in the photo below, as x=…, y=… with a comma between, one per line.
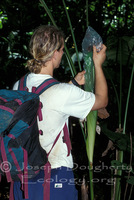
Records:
x=87, y=12
x=70, y=62
x=128, y=97
x=48, y=11
x=130, y=192
x=83, y=133
x=125, y=193
x=69, y=21
x=90, y=141
x=125, y=118
x=73, y=71
x=115, y=90
x=119, y=153
x=120, y=83
x=91, y=181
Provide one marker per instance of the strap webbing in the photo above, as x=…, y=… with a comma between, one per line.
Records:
x=16, y=163
x=4, y=157
x=46, y=185
x=25, y=178
x=22, y=83
x=67, y=139
x=54, y=143
x=45, y=85
x=11, y=195
x=41, y=88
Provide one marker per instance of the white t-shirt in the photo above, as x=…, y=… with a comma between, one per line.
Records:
x=59, y=102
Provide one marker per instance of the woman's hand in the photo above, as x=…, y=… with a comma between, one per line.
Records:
x=80, y=77
x=99, y=57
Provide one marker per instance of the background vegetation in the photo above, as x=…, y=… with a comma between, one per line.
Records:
x=114, y=21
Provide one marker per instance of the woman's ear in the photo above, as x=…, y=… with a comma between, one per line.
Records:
x=55, y=54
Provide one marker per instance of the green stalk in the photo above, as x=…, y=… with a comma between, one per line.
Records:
x=73, y=70
x=48, y=11
x=115, y=90
x=91, y=118
x=87, y=12
x=84, y=135
x=70, y=62
x=117, y=196
x=70, y=25
x=128, y=97
x=113, y=188
x=120, y=153
x=120, y=83
x=91, y=130
x=131, y=190
x=126, y=111
x=91, y=181
x=90, y=141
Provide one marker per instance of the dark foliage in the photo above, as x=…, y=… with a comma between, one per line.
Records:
x=113, y=20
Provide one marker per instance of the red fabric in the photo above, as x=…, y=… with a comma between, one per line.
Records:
x=46, y=185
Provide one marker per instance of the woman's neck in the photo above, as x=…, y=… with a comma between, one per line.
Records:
x=47, y=69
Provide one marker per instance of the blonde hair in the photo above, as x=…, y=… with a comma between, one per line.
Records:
x=44, y=41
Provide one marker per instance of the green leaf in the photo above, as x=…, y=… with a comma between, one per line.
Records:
x=1, y=26
x=122, y=141
x=92, y=7
x=131, y=180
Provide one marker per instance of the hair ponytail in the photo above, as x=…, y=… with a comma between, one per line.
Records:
x=44, y=41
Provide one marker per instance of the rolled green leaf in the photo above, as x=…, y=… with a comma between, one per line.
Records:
x=91, y=118
x=91, y=38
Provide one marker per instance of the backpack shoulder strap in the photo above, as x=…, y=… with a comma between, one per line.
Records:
x=45, y=85
x=22, y=83
x=41, y=88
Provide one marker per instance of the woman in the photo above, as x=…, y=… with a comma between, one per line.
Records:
x=59, y=102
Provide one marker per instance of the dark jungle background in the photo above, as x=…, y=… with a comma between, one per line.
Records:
x=114, y=21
